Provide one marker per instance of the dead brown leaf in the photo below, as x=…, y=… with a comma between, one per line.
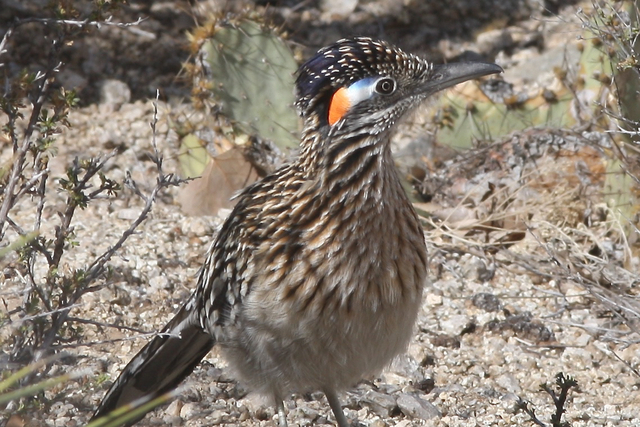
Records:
x=223, y=176
x=15, y=421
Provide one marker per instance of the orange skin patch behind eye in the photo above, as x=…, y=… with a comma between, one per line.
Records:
x=339, y=105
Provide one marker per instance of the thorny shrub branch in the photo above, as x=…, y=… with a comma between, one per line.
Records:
x=42, y=322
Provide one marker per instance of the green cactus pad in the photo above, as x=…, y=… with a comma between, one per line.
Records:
x=251, y=70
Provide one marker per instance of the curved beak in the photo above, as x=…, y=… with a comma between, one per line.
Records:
x=447, y=75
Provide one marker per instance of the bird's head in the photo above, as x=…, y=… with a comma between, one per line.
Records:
x=368, y=85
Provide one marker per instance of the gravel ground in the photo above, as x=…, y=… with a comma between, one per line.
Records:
x=490, y=332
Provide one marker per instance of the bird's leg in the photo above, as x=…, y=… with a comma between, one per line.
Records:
x=282, y=415
x=334, y=402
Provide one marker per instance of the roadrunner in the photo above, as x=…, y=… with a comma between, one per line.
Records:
x=315, y=279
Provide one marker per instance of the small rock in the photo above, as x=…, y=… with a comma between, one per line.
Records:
x=128, y=214
x=433, y=299
x=189, y=410
x=114, y=93
x=304, y=415
x=158, y=283
x=579, y=358
x=509, y=383
x=381, y=404
x=62, y=421
x=475, y=269
x=486, y=301
x=195, y=227
x=582, y=340
x=217, y=416
x=174, y=408
x=378, y=423
x=426, y=385
x=415, y=407
x=444, y=340
x=338, y=8
x=172, y=420
x=454, y=324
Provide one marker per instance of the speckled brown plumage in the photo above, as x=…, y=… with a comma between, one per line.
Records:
x=315, y=279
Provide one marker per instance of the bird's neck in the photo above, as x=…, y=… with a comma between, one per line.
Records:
x=351, y=166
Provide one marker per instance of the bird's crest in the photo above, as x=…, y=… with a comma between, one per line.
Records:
x=345, y=62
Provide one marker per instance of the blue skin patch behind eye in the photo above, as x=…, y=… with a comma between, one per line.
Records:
x=361, y=84
x=362, y=89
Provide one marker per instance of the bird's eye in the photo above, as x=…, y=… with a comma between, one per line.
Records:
x=386, y=86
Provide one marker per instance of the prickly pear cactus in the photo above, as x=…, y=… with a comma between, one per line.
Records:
x=614, y=36
x=476, y=112
x=242, y=80
x=492, y=110
x=193, y=156
x=250, y=70
x=596, y=86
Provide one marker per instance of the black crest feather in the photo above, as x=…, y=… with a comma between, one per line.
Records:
x=345, y=62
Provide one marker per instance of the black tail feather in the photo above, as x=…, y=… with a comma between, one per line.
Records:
x=161, y=365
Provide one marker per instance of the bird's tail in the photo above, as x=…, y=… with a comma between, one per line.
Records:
x=161, y=365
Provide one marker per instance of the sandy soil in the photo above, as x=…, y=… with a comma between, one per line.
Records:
x=492, y=328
